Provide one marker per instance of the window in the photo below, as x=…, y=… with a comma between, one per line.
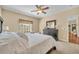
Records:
x=25, y=25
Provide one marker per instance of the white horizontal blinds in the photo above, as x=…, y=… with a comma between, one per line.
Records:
x=25, y=25
x=25, y=21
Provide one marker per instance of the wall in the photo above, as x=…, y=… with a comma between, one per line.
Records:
x=78, y=26
x=11, y=20
x=62, y=22
x=0, y=11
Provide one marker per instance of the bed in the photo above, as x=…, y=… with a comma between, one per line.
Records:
x=25, y=43
x=11, y=42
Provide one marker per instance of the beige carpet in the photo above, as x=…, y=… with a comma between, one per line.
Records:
x=65, y=48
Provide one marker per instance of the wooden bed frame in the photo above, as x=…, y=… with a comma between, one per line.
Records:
x=1, y=22
x=53, y=48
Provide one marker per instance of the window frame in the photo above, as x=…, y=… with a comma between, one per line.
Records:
x=28, y=22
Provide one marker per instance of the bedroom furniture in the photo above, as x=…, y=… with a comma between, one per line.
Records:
x=51, y=31
x=32, y=44
x=53, y=48
x=1, y=22
x=35, y=44
x=25, y=43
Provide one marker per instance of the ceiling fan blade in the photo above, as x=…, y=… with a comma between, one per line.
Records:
x=34, y=10
x=40, y=9
x=37, y=13
x=45, y=8
x=37, y=6
x=44, y=12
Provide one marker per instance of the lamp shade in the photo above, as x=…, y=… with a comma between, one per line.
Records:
x=6, y=28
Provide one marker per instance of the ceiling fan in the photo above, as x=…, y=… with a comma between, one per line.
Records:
x=40, y=9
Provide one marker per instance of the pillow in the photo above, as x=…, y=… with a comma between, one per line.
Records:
x=22, y=35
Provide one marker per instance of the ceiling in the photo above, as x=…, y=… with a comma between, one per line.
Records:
x=26, y=9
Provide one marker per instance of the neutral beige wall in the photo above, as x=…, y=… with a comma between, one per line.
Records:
x=0, y=11
x=11, y=20
x=62, y=22
x=78, y=26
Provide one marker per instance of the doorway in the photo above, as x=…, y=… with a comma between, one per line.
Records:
x=73, y=38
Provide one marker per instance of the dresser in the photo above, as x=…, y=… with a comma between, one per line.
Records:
x=52, y=32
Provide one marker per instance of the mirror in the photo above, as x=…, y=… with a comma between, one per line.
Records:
x=73, y=26
x=51, y=24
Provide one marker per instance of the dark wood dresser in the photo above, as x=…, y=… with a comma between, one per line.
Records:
x=51, y=31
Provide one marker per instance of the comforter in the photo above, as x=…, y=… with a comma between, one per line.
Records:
x=11, y=42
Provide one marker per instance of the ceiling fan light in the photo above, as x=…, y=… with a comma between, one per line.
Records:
x=40, y=11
